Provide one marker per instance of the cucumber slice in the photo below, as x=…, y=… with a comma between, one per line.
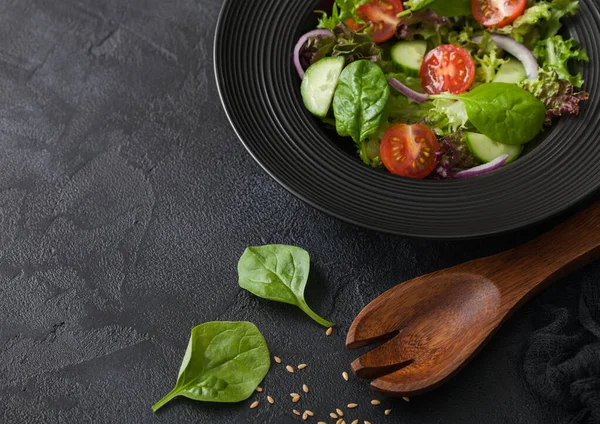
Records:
x=486, y=150
x=512, y=72
x=408, y=56
x=319, y=83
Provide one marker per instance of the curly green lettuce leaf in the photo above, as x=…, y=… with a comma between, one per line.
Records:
x=541, y=20
x=446, y=117
x=555, y=53
x=341, y=11
x=352, y=45
x=558, y=95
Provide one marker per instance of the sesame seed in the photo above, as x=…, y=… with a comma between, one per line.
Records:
x=329, y=331
x=321, y=422
x=296, y=412
x=406, y=399
x=305, y=388
x=388, y=412
x=304, y=416
x=254, y=404
x=302, y=366
x=340, y=421
x=339, y=412
x=296, y=399
x=333, y=415
x=352, y=405
x=355, y=422
x=259, y=389
x=375, y=402
x=289, y=368
x=310, y=413
x=345, y=375
x=277, y=359
x=367, y=422
x=270, y=400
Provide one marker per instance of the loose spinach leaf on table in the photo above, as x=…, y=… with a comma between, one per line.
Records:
x=503, y=112
x=359, y=100
x=224, y=362
x=278, y=272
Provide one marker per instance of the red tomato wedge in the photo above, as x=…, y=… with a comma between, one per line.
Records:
x=447, y=69
x=497, y=13
x=382, y=14
x=409, y=150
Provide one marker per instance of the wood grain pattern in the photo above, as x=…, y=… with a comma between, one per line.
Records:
x=438, y=322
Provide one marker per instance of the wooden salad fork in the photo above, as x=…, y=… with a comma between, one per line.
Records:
x=435, y=324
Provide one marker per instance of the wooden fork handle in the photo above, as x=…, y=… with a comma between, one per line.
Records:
x=562, y=250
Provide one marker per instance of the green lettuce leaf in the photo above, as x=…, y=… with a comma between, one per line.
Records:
x=555, y=53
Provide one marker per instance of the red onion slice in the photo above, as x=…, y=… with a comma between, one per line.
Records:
x=300, y=44
x=484, y=169
x=518, y=50
x=409, y=92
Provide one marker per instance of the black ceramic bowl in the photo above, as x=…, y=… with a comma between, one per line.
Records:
x=261, y=95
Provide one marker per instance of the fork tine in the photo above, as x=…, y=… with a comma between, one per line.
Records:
x=385, y=359
x=382, y=318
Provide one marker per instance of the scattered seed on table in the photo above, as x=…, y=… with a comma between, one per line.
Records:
x=375, y=402
x=340, y=421
x=388, y=412
x=339, y=412
x=310, y=413
x=367, y=422
x=289, y=368
x=352, y=405
x=296, y=412
x=321, y=422
x=345, y=375
x=333, y=415
x=329, y=331
x=302, y=366
x=304, y=416
x=305, y=388
x=296, y=399
x=254, y=404
x=259, y=389
x=406, y=399
x=355, y=422
x=277, y=359
x=270, y=399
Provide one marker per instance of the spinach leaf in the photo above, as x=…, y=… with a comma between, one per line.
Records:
x=359, y=100
x=503, y=112
x=224, y=362
x=277, y=272
x=448, y=8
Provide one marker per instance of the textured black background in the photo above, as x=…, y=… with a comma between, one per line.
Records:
x=125, y=203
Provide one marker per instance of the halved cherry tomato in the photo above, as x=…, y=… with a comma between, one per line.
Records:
x=409, y=150
x=497, y=13
x=447, y=68
x=382, y=14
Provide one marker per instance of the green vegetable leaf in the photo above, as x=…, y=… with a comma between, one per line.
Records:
x=448, y=8
x=541, y=20
x=446, y=117
x=360, y=99
x=557, y=94
x=555, y=53
x=224, y=362
x=342, y=11
x=277, y=272
x=503, y=112
x=559, y=9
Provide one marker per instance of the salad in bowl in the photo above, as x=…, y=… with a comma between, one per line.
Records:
x=441, y=88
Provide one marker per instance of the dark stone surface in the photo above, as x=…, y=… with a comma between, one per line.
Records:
x=125, y=203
